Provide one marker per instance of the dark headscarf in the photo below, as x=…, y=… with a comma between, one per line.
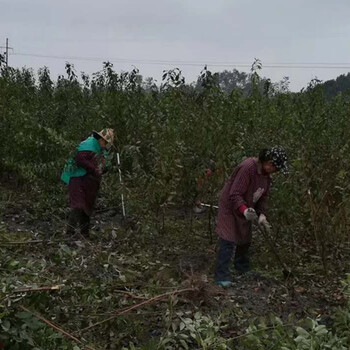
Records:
x=278, y=156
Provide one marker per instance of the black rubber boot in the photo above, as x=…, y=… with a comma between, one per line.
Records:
x=73, y=221
x=84, y=224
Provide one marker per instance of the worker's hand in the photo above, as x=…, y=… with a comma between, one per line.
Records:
x=262, y=221
x=250, y=214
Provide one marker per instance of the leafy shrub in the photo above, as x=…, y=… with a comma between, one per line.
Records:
x=184, y=332
x=308, y=335
x=197, y=332
x=166, y=137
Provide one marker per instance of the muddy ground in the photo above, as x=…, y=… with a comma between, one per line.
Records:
x=96, y=273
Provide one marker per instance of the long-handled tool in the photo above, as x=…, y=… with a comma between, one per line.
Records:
x=121, y=183
x=266, y=234
x=209, y=206
x=198, y=209
x=120, y=178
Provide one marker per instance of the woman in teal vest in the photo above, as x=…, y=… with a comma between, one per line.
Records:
x=82, y=174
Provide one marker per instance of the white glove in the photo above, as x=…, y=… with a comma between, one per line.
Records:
x=262, y=221
x=250, y=214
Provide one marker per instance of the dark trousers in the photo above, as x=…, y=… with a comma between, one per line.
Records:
x=78, y=218
x=226, y=251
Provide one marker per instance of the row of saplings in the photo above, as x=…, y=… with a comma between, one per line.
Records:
x=242, y=202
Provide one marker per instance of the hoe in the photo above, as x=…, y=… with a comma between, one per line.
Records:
x=287, y=273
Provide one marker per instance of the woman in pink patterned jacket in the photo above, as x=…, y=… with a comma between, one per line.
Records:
x=242, y=201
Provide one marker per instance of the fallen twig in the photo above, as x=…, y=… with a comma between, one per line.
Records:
x=68, y=335
x=46, y=241
x=38, y=289
x=21, y=242
x=130, y=295
x=148, y=301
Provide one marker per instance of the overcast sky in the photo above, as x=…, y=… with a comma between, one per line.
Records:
x=189, y=33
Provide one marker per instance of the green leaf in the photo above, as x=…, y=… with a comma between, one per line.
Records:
x=24, y=315
x=184, y=344
x=197, y=315
x=6, y=325
x=321, y=330
x=302, y=331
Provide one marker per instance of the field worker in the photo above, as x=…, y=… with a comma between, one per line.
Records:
x=82, y=174
x=243, y=200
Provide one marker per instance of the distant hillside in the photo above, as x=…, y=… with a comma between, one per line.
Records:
x=333, y=87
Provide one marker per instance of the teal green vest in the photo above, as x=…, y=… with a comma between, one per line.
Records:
x=71, y=169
